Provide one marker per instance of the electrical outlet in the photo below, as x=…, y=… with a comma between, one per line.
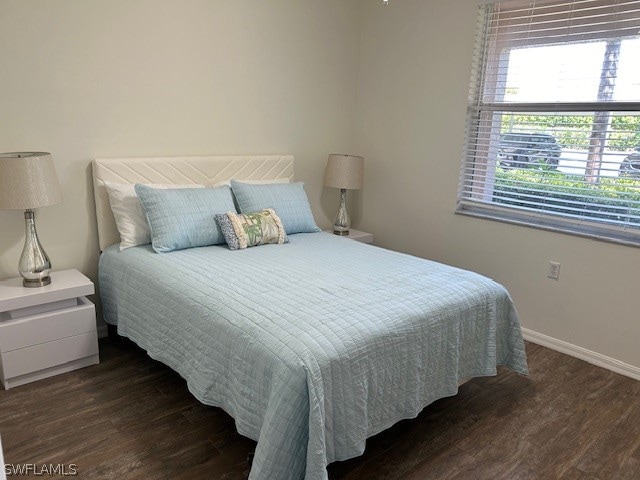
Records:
x=554, y=270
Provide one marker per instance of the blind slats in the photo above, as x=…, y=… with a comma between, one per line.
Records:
x=553, y=130
x=555, y=107
x=544, y=22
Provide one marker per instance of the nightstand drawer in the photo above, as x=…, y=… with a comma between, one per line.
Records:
x=38, y=357
x=47, y=327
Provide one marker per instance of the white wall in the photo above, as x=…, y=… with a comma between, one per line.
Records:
x=414, y=76
x=85, y=79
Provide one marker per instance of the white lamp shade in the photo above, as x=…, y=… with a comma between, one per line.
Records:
x=345, y=171
x=28, y=180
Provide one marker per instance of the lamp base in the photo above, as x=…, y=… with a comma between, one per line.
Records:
x=342, y=222
x=36, y=283
x=34, y=265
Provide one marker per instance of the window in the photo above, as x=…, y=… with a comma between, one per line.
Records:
x=553, y=127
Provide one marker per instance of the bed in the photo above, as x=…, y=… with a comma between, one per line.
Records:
x=311, y=346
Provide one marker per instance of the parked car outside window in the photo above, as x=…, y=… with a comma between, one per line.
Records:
x=630, y=166
x=528, y=150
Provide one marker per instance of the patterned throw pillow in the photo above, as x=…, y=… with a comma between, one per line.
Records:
x=251, y=229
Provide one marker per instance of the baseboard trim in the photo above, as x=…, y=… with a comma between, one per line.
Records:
x=582, y=353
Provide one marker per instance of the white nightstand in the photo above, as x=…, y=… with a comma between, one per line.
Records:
x=357, y=235
x=48, y=330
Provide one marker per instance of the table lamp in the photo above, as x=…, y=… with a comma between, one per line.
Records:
x=28, y=180
x=345, y=172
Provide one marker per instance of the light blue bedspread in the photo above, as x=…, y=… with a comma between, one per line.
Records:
x=314, y=345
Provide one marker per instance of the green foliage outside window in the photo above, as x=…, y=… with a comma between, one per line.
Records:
x=613, y=199
x=573, y=131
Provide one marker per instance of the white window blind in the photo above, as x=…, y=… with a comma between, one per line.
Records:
x=553, y=125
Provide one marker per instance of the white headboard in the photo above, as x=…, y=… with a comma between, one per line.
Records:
x=179, y=171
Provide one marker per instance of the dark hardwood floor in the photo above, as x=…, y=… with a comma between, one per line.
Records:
x=132, y=418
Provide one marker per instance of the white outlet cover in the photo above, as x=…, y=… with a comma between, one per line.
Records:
x=554, y=270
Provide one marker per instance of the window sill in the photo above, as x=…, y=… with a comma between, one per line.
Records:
x=542, y=221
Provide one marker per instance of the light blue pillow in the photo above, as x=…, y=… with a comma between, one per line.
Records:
x=288, y=199
x=184, y=217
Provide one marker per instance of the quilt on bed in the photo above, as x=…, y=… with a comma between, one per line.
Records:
x=314, y=345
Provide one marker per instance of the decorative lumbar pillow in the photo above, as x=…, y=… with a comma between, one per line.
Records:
x=251, y=229
x=289, y=200
x=184, y=218
x=128, y=214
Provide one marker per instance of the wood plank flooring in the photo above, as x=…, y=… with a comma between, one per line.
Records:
x=133, y=418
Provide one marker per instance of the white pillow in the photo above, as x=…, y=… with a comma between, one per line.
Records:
x=127, y=211
x=253, y=182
